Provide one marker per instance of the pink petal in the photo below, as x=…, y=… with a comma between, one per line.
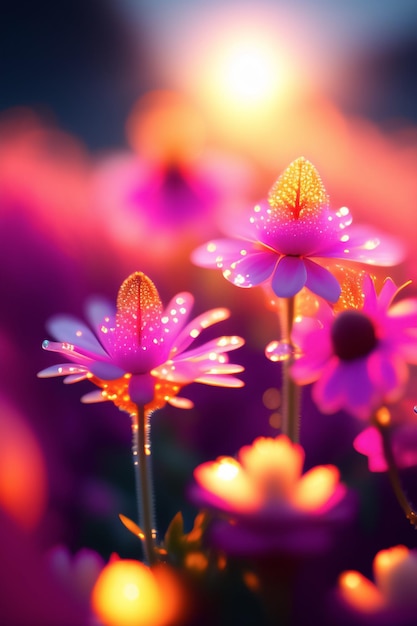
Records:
x=219, y=253
x=196, y=326
x=365, y=245
x=175, y=316
x=370, y=302
x=220, y=381
x=369, y=443
x=214, y=346
x=93, y=396
x=321, y=282
x=289, y=277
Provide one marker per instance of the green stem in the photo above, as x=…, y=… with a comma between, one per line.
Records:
x=141, y=450
x=290, y=390
x=393, y=473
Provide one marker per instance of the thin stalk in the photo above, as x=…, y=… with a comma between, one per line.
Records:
x=290, y=390
x=393, y=473
x=141, y=450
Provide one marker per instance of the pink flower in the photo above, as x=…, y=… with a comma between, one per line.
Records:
x=264, y=504
x=358, y=358
x=138, y=353
x=403, y=442
x=288, y=237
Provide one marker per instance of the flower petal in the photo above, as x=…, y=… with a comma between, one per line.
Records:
x=63, y=369
x=69, y=329
x=175, y=316
x=196, y=326
x=289, y=277
x=220, y=253
x=101, y=314
x=322, y=282
x=252, y=269
x=364, y=244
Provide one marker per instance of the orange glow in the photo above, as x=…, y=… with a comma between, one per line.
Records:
x=274, y=465
x=315, y=487
x=383, y=416
x=226, y=479
x=127, y=593
x=165, y=128
x=196, y=561
x=385, y=564
x=23, y=488
x=360, y=593
x=117, y=392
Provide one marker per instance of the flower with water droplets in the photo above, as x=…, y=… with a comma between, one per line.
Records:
x=290, y=240
x=358, y=358
x=138, y=354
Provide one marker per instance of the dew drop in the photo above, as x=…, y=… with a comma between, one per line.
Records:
x=278, y=351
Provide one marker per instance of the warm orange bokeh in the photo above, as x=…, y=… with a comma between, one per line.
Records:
x=23, y=484
x=128, y=593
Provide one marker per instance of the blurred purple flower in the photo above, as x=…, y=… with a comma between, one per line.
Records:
x=358, y=358
x=288, y=238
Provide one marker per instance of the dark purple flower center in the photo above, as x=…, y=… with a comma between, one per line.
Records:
x=353, y=335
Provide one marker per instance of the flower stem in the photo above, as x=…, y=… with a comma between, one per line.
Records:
x=290, y=390
x=141, y=450
x=393, y=474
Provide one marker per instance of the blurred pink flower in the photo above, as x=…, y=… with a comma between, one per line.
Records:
x=403, y=442
x=264, y=502
x=358, y=358
x=139, y=352
x=287, y=238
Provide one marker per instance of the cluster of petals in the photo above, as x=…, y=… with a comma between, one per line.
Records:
x=264, y=504
x=392, y=597
x=358, y=358
x=292, y=239
x=138, y=353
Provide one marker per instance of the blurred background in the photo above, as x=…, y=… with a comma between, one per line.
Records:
x=131, y=132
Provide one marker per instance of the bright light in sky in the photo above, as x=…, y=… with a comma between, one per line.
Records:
x=250, y=72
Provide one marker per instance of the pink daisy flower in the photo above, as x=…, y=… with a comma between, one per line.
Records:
x=358, y=358
x=288, y=239
x=138, y=354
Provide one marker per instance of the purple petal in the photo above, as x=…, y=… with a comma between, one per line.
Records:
x=106, y=371
x=71, y=352
x=252, y=269
x=93, y=396
x=68, y=329
x=289, y=277
x=63, y=369
x=101, y=315
x=330, y=390
x=322, y=282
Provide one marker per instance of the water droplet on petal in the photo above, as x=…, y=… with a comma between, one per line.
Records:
x=279, y=351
